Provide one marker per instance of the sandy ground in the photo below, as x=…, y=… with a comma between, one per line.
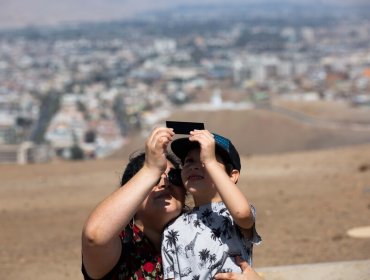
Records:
x=306, y=201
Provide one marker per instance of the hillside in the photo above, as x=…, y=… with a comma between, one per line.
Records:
x=261, y=131
x=306, y=201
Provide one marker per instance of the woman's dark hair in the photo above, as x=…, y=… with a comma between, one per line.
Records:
x=136, y=162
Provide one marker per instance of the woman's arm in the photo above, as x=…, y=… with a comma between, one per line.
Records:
x=101, y=244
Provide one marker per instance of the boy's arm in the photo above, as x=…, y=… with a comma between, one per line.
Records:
x=231, y=195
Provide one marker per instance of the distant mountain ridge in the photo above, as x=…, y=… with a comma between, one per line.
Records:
x=18, y=14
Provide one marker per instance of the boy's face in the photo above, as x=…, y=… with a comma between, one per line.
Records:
x=194, y=175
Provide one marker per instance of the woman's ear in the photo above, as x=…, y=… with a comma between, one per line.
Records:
x=235, y=176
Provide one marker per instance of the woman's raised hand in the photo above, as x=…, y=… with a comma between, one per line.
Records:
x=155, y=148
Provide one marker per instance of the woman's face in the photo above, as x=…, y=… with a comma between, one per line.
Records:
x=164, y=203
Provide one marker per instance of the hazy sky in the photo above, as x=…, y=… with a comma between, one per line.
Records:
x=17, y=13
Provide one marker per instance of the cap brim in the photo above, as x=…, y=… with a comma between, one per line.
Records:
x=181, y=146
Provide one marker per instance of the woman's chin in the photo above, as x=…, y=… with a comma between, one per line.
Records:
x=172, y=208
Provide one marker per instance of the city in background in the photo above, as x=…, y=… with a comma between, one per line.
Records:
x=78, y=91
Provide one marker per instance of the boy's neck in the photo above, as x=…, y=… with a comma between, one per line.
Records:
x=203, y=200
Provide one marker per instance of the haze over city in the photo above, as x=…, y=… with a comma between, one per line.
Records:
x=20, y=13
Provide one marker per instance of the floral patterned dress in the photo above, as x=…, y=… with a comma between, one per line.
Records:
x=139, y=258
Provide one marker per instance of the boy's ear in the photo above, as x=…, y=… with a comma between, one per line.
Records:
x=235, y=176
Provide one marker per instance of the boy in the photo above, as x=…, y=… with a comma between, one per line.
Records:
x=207, y=239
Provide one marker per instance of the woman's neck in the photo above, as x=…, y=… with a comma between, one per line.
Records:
x=154, y=234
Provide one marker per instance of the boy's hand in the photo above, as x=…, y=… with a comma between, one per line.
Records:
x=155, y=148
x=207, y=145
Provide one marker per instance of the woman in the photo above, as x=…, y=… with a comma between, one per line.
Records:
x=142, y=207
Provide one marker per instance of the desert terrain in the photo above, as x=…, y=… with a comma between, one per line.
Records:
x=310, y=183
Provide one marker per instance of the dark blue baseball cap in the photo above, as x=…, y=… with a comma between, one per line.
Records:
x=224, y=148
